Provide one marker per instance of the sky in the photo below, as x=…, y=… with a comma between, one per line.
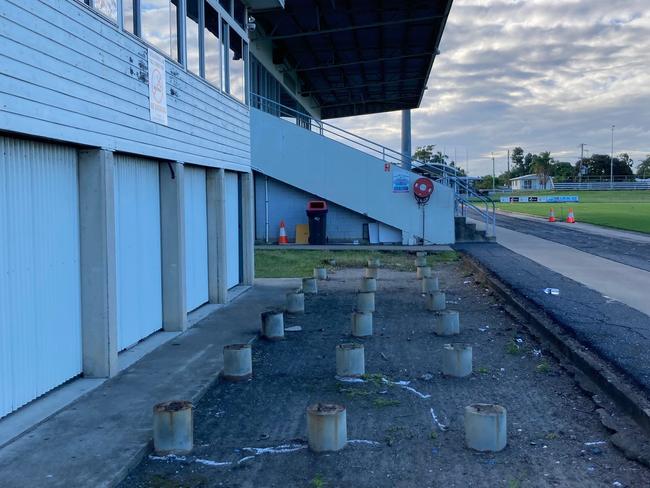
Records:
x=546, y=75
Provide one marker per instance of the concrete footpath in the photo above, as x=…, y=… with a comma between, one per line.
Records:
x=617, y=332
x=95, y=441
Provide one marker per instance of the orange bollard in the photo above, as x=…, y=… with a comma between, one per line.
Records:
x=551, y=215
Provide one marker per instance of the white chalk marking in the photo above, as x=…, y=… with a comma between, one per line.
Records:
x=295, y=328
x=436, y=422
x=347, y=379
x=421, y=395
x=245, y=459
x=595, y=443
x=208, y=462
x=284, y=448
x=168, y=457
x=364, y=441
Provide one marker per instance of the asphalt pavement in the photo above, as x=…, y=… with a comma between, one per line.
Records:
x=622, y=247
x=617, y=332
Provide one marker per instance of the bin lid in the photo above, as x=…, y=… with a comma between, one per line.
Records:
x=317, y=205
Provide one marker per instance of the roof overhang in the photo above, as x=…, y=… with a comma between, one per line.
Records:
x=356, y=57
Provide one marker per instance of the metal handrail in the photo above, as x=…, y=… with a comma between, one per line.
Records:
x=443, y=173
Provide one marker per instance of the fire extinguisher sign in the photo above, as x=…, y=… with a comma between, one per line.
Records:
x=157, y=88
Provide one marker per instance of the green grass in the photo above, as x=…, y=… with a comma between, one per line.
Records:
x=627, y=210
x=291, y=263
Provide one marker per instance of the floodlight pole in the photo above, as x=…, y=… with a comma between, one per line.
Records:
x=611, y=162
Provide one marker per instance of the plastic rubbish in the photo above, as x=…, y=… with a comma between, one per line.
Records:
x=552, y=291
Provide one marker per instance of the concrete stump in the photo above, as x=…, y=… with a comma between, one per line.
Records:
x=457, y=360
x=421, y=254
x=365, y=302
x=237, y=362
x=429, y=285
x=296, y=302
x=368, y=284
x=361, y=324
x=309, y=286
x=326, y=427
x=421, y=261
x=320, y=273
x=350, y=360
x=374, y=263
x=273, y=325
x=446, y=323
x=485, y=427
x=371, y=272
x=173, y=428
x=436, y=301
x=423, y=272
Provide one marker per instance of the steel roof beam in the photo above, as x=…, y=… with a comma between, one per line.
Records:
x=353, y=27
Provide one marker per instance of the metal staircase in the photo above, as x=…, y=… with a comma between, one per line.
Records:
x=468, y=202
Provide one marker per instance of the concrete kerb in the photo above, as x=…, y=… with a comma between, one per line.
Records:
x=620, y=388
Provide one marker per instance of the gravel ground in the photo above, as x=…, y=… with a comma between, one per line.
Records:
x=555, y=436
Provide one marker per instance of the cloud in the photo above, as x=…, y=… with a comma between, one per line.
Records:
x=541, y=74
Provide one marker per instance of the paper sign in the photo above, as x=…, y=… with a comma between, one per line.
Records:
x=157, y=88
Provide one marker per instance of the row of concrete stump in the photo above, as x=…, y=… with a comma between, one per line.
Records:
x=485, y=424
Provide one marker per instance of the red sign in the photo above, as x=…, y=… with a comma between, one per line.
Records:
x=387, y=167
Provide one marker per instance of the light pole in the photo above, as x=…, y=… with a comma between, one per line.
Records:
x=611, y=162
x=493, y=175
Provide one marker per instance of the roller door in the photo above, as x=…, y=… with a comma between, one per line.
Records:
x=196, y=237
x=233, y=232
x=137, y=249
x=40, y=305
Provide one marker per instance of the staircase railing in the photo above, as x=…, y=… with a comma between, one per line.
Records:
x=466, y=197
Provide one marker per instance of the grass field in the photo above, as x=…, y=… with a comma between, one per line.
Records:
x=292, y=263
x=628, y=210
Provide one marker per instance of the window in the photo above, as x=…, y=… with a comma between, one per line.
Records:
x=212, y=46
x=160, y=25
x=107, y=7
x=237, y=66
x=192, y=37
x=227, y=5
x=240, y=13
x=528, y=184
x=128, y=16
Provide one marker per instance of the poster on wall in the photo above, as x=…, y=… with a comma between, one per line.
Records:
x=157, y=88
x=401, y=181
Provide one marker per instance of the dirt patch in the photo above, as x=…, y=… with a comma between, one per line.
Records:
x=405, y=420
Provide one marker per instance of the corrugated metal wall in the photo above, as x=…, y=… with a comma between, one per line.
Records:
x=196, y=237
x=40, y=310
x=137, y=245
x=233, y=232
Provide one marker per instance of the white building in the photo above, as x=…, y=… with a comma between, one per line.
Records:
x=531, y=182
x=129, y=131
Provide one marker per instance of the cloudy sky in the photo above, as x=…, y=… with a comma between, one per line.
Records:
x=541, y=74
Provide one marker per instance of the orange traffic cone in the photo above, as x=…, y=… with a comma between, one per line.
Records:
x=283, y=234
x=551, y=215
x=571, y=218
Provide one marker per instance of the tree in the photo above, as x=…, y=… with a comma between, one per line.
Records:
x=599, y=165
x=518, y=164
x=643, y=169
x=424, y=153
x=541, y=165
x=528, y=164
x=562, y=171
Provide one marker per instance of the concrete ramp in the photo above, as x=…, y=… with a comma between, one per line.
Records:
x=348, y=177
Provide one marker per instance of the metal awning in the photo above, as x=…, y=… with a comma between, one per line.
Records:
x=356, y=57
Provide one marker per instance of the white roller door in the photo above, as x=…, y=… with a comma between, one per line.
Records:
x=40, y=305
x=137, y=249
x=232, y=228
x=196, y=237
